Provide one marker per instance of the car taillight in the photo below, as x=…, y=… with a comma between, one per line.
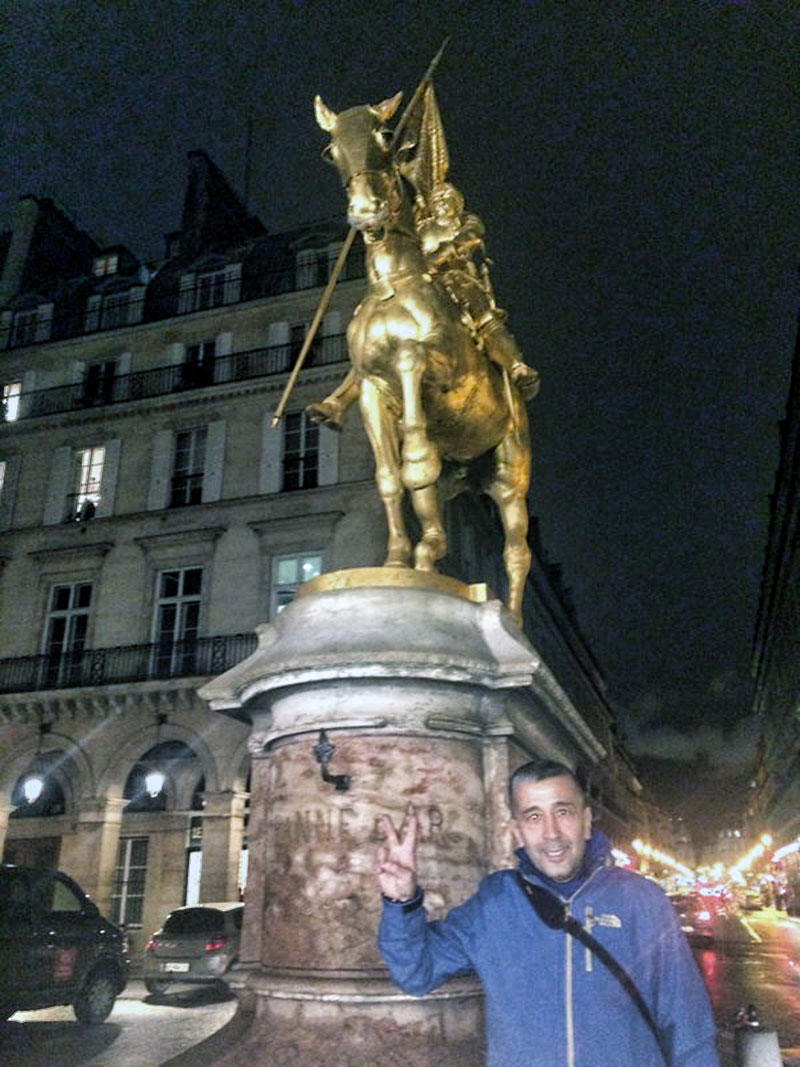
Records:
x=216, y=943
x=151, y=945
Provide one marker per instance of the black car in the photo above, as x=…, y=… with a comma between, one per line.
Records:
x=56, y=947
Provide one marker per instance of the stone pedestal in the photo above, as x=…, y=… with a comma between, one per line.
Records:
x=411, y=681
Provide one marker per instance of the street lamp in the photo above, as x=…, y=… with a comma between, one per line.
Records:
x=155, y=778
x=33, y=782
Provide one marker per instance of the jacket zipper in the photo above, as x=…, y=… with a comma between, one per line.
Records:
x=568, y=977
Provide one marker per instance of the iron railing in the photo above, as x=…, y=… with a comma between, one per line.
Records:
x=203, y=656
x=181, y=377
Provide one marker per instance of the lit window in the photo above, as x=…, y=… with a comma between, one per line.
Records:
x=105, y=265
x=11, y=395
x=288, y=572
x=88, y=480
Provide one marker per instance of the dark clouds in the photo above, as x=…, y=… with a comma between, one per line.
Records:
x=636, y=167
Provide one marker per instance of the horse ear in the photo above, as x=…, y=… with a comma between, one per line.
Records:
x=386, y=108
x=325, y=117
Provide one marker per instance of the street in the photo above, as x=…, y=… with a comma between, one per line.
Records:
x=142, y=1030
x=755, y=959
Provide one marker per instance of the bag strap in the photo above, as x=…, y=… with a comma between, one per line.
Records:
x=553, y=913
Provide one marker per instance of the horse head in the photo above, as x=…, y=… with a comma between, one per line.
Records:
x=361, y=150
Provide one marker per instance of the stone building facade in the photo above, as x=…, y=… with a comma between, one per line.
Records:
x=774, y=802
x=151, y=517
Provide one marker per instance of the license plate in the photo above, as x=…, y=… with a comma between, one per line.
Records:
x=175, y=968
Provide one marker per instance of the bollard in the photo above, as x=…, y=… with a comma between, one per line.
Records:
x=753, y=1045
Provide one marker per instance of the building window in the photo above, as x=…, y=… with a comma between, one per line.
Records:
x=82, y=502
x=65, y=632
x=130, y=875
x=210, y=288
x=2, y=475
x=300, y=452
x=177, y=620
x=31, y=326
x=188, y=466
x=98, y=385
x=313, y=267
x=105, y=265
x=11, y=395
x=108, y=311
x=290, y=571
x=198, y=364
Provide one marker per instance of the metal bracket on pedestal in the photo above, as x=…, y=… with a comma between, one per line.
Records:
x=323, y=752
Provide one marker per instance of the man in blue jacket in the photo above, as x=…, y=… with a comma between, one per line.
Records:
x=551, y=1000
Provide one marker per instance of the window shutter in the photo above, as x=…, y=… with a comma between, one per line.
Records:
x=8, y=492
x=158, y=493
x=233, y=283
x=108, y=479
x=278, y=334
x=224, y=345
x=44, y=322
x=176, y=353
x=215, y=457
x=123, y=364
x=5, y=327
x=135, y=304
x=186, y=294
x=92, y=320
x=328, y=456
x=269, y=477
x=60, y=471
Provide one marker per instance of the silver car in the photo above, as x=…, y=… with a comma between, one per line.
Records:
x=197, y=943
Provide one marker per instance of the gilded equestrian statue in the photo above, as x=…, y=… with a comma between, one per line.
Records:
x=437, y=381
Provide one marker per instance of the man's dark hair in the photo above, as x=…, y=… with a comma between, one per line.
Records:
x=536, y=770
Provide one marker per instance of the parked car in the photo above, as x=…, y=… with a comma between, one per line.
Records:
x=696, y=915
x=197, y=943
x=56, y=947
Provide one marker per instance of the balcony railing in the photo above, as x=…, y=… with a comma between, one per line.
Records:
x=180, y=377
x=203, y=656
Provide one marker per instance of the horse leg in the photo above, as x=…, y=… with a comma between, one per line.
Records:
x=421, y=462
x=382, y=431
x=509, y=490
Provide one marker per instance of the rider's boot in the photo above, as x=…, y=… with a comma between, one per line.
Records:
x=502, y=349
x=332, y=410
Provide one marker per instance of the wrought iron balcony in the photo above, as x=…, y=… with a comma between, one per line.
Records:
x=201, y=657
x=181, y=377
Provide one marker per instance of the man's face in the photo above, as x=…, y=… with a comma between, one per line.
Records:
x=552, y=823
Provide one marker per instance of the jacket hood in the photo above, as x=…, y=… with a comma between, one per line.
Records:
x=597, y=854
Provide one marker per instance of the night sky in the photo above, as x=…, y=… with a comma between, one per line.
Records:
x=635, y=164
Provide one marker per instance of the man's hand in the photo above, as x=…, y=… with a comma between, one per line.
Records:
x=397, y=859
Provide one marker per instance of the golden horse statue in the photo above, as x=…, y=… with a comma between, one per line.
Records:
x=428, y=392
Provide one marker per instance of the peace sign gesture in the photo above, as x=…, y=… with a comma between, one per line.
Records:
x=397, y=859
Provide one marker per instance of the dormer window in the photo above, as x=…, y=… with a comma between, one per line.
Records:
x=105, y=265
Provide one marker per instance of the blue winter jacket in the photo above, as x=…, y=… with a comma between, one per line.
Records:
x=549, y=1001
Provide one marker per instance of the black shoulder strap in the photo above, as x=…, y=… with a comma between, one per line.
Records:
x=553, y=913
